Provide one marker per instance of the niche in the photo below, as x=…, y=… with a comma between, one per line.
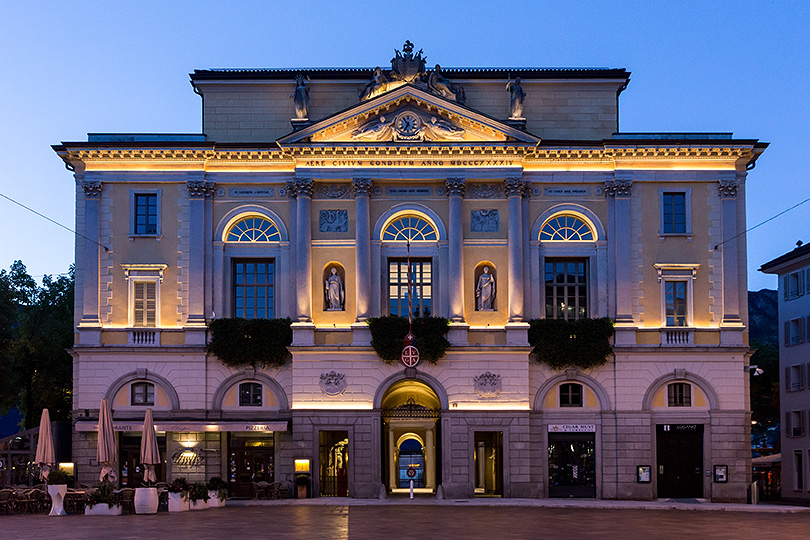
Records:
x=485, y=287
x=334, y=287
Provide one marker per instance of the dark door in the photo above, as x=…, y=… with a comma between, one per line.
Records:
x=334, y=463
x=129, y=461
x=488, y=461
x=571, y=465
x=250, y=460
x=680, y=460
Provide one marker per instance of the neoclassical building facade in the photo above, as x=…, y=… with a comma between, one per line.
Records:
x=490, y=197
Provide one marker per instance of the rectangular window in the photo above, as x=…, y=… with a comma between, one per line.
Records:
x=795, y=423
x=421, y=278
x=794, y=331
x=798, y=471
x=679, y=395
x=674, y=213
x=570, y=395
x=566, y=288
x=146, y=213
x=143, y=393
x=145, y=304
x=675, y=292
x=250, y=395
x=794, y=378
x=794, y=285
x=254, y=288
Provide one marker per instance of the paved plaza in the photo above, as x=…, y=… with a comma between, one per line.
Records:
x=450, y=519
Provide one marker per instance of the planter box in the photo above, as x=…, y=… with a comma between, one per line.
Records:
x=177, y=504
x=214, y=501
x=57, y=493
x=102, y=509
x=199, y=505
x=146, y=500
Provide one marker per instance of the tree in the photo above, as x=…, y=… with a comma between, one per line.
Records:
x=37, y=330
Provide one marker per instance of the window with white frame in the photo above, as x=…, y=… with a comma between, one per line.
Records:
x=795, y=422
x=794, y=378
x=677, y=282
x=144, y=212
x=795, y=331
x=794, y=285
x=254, y=288
x=675, y=211
x=142, y=393
x=421, y=287
x=144, y=294
x=566, y=288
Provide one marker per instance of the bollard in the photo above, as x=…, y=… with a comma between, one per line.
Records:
x=411, y=489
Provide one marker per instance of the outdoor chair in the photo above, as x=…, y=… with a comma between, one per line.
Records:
x=6, y=500
x=163, y=499
x=274, y=490
x=258, y=491
x=127, y=500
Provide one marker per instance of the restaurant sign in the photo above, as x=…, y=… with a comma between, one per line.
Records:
x=572, y=428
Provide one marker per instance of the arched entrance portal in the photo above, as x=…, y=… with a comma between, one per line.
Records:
x=410, y=414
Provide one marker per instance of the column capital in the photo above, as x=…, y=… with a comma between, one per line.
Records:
x=619, y=188
x=455, y=186
x=527, y=189
x=92, y=189
x=198, y=189
x=514, y=186
x=727, y=189
x=304, y=187
x=362, y=186
x=291, y=189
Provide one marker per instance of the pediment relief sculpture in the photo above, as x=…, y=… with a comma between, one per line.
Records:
x=408, y=126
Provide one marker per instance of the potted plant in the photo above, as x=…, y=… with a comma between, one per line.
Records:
x=198, y=495
x=102, y=501
x=302, y=482
x=146, y=499
x=57, y=487
x=178, y=495
x=217, y=492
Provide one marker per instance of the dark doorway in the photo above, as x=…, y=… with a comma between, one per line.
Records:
x=130, y=469
x=334, y=463
x=250, y=459
x=680, y=460
x=488, y=461
x=411, y=457
x=571, y=465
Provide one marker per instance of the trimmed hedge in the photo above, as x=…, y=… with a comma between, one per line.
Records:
x=584, y=343
x=256, y=342
x=388, y=335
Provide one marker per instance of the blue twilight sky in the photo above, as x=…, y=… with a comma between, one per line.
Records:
x=69, y=68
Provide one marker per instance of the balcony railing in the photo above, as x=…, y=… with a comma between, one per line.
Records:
x=144, y=337
x=677, y=337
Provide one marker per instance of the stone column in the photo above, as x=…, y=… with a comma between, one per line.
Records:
x=198, y=190
x=392, y=459
x=91, y=263
x=619, y=192
x=731, y=271
x=303, y=249
x=430, y=459
x=482, y=459
x=528, y=298
x=292, y=307
x=514, y=191
x=362, y=192
x=455, y=237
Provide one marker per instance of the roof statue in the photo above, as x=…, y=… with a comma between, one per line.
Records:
x=407, y=67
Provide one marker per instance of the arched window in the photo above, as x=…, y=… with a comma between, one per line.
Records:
x=410, y=229
x=254, y=229
x=250, y=394
x=566, y=228
x=571, y=395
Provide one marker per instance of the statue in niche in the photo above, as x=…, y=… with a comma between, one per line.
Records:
x=335, y=295
x=442, y=86
x=517, y=95
x=376, y=86
x=439, y=129
x=485, y=290
x=301, y=97
x=379, y=131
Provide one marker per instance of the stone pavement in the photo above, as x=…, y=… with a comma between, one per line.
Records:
x=484, y=519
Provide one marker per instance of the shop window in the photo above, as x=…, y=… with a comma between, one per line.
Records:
x=421, y=285
x=250, y=394
x=143, y=393
x=253, y=229
x=570, y=395
x=566, y=288
x=254, y=288
x=794, y=285
x=794, y=331
x=144, y=308
x=679, y=395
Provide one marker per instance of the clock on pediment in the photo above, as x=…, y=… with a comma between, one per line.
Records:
x=408, y=126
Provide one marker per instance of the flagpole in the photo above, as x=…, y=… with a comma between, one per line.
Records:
x=410, y=290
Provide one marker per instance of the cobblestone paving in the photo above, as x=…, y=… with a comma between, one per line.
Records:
x=417, y=522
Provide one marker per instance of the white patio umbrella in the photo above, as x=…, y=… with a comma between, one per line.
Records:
x=45, y=457
x=106, y=452
x=150, y=453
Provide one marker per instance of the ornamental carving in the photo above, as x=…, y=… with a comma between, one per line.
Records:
x=362, y=186
x=618, y=188
x=304, y=187
x=487, y=385
x=339, y=191
x=484, y=220
x=92, y=189
x=200, y=189
x=485, y=191
x=333, y=383
x=727, y=189
x=527, y=189
x=289, y=189
x=514, y=186
x=334, y=221
x=408, y=126
x=455, y=186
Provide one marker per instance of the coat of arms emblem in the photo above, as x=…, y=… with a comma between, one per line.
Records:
x=406, y=66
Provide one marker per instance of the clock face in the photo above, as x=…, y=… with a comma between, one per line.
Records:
x=408, y=124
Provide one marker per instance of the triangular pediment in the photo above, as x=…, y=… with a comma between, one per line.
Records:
x=408, y=114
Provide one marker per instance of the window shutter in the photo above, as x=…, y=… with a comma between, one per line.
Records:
x=787, y=332
x=139, y=303
x=788, y=431
x=807, y=280
x=800, y=386
x=150, y=303
x=800, y=285
x=804, y=423
x=787, y=379
x=786, y=286
x=801, y=330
